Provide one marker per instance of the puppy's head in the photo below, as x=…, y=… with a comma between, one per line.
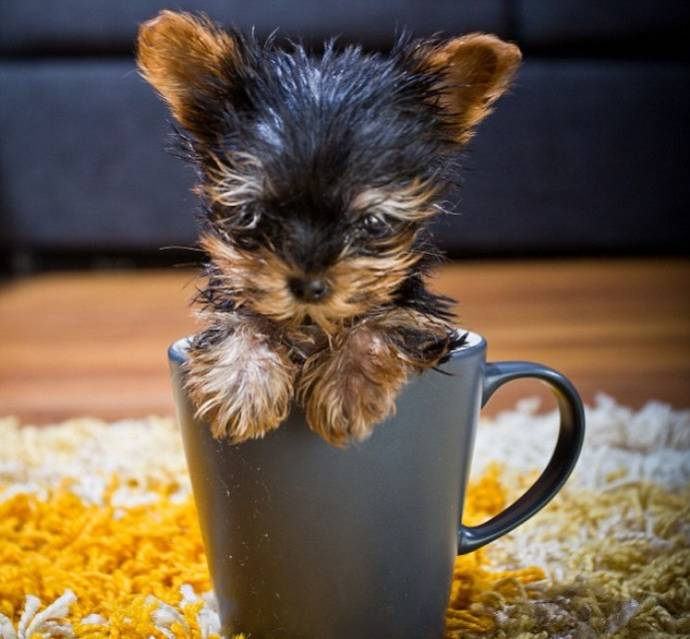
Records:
x=318, y=174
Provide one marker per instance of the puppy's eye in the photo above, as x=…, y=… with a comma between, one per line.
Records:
x=373, y=225
x=239, y=221
x=248, y=220
x=236, y=220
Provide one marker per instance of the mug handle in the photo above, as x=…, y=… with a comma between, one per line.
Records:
x=570, y=436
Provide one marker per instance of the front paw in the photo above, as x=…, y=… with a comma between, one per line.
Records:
x=346, y=392
x=241, y=386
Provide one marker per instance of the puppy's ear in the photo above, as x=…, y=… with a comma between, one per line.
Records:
x=190, y=62
x=473, y=71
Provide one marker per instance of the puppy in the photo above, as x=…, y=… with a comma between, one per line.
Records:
x=317, y=178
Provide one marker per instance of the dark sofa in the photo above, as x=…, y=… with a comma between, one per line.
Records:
x=589, y=154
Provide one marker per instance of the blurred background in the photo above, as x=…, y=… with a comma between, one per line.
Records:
x=570, y=245
x=589, y=154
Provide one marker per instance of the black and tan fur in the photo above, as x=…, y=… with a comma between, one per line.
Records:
x=317, y=176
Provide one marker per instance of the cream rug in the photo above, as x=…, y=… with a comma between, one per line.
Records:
x=98, y=533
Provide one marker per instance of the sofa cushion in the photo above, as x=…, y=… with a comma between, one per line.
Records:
x=82, y=161
x=633, y=24
x=583, y=156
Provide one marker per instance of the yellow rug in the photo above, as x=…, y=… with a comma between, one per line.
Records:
x=98, y=532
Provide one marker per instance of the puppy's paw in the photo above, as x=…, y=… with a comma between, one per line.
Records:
x=240, y=384
x=348, y=390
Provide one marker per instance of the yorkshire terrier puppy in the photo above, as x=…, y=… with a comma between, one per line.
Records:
x=317, y=176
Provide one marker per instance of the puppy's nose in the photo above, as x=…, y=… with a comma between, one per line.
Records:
x=308, y=289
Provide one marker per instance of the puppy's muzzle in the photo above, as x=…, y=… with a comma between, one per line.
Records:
x=308, y=289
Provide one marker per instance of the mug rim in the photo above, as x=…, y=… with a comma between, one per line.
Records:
x=474, y=342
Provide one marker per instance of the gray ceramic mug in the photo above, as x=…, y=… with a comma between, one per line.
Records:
x=306, y=541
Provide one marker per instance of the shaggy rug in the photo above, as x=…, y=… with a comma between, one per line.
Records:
x=98, y=532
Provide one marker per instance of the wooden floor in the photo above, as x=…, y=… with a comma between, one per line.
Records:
x=94, y=343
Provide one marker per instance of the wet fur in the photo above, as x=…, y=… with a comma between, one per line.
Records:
x=325, y=168
x=242, y=379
